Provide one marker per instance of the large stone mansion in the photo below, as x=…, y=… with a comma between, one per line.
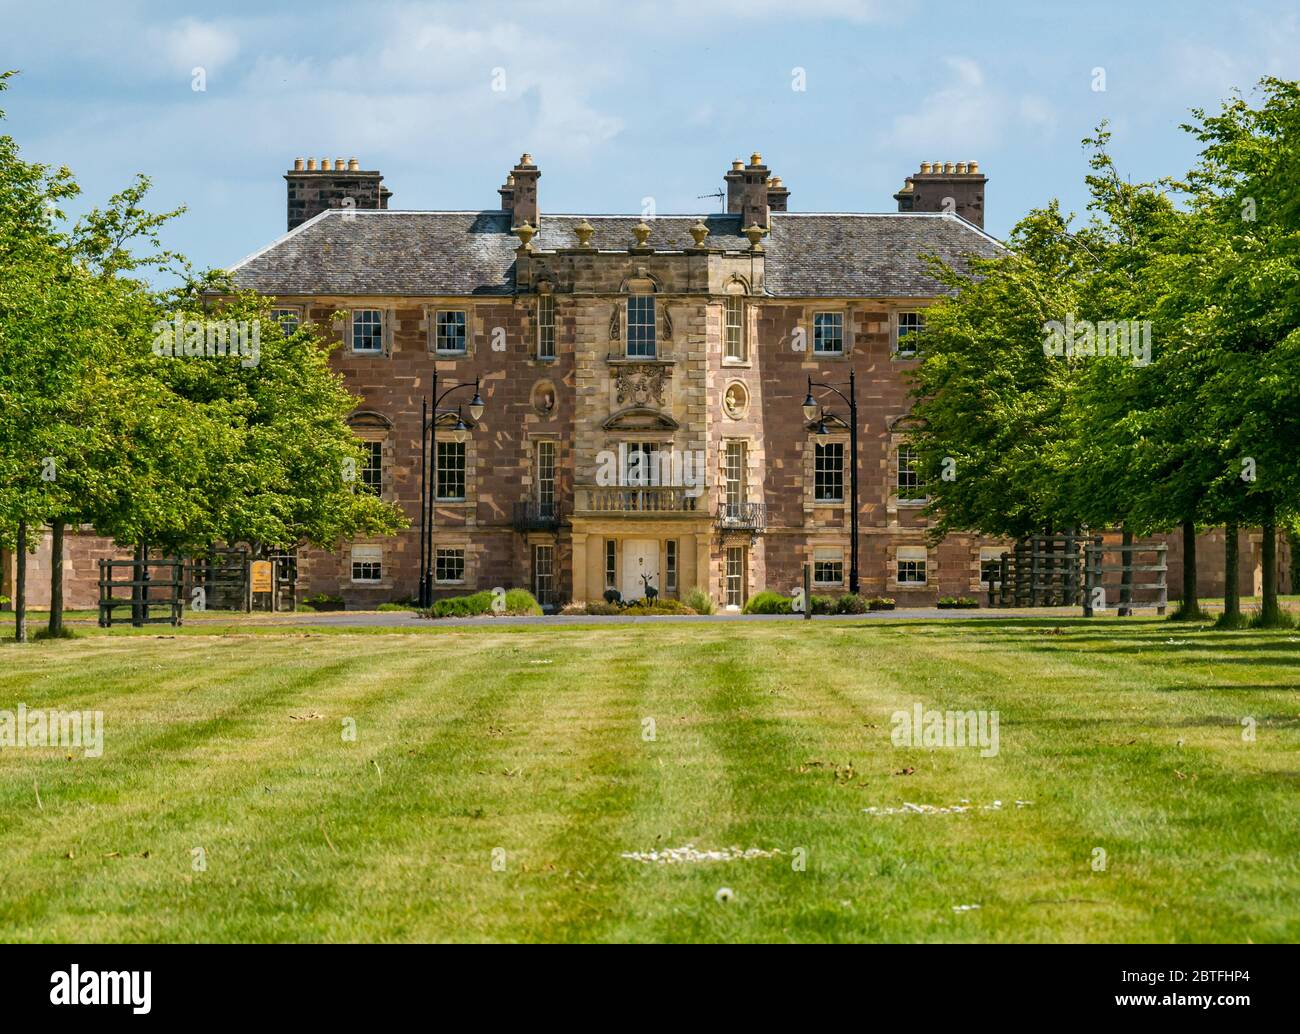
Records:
x=643, y=382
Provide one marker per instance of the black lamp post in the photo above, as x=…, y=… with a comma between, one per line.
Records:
x=812, y=410
x=429, y=428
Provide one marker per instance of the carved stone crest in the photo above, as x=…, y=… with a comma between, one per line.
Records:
x=641, y=385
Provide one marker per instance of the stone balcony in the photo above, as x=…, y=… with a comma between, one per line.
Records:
x=643, y=501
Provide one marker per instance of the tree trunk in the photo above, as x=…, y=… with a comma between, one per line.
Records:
x=1270, y=613
x=137, y=591
x=1191, y=605
x=1231, y=581
x=1126, y=576
x=20, y=586
x=56, y=578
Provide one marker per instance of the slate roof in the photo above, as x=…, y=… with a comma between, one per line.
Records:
x=473, y=253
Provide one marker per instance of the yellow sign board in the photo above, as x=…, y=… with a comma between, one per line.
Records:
x=261, y=575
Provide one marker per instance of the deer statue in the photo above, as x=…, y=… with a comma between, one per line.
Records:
x=651, y=593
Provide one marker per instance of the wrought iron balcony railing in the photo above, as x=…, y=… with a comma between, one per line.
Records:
x=650, y=499
x=742, y=516
x=535, y=516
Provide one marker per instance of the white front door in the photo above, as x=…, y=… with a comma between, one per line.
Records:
x=640, y=557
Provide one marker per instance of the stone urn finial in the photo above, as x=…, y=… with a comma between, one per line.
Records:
x=525, y=232
x=755, y=234
x=699, y=232
x=583, y=231
x=642, y=232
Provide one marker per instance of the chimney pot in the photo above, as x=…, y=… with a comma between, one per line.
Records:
x=326, y=165
x=354, y=165
x=755, y=159
x=311, y=164
x=941, y=181
x=340, y=165
x=297, y=165
x=737, y=165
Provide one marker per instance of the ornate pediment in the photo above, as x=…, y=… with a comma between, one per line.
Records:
x=641, y=385
x=640, y=418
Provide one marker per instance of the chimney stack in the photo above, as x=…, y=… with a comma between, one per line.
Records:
x=945, y=187
x=778, y=197
x=313, y=190
x=751, y=194
x=519, y=194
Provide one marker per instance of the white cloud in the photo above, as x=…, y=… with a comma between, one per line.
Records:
x=965, y=115
x=190, y=43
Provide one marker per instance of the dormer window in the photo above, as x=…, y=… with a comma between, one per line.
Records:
x=641, y=326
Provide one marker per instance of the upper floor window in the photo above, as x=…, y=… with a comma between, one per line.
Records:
x=450, y=482
x=828, y=472
x=910, y=486
x=288, y=319
x=372, y=468
x=828, y=333
x=641, y=326
x=909, y=323
x=733, y=325
x=545, y=326
x=640, y=464
x=546, y=478
x=367, y=330
x=449, y=331
x=734, y=473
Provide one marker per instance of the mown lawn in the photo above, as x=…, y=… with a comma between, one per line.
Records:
x=498, y=775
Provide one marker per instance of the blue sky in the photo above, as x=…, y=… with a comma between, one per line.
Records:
x=616, y=101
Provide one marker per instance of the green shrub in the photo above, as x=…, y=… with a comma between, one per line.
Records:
x=461, y=606
x=957, y=603
x=699, y=601
x=767, y=602
x=823, y=604
x=518, y=601
x=880, y=603
x=44, y=633
x=521, y=601
x=851, y=603
x=395, y=605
